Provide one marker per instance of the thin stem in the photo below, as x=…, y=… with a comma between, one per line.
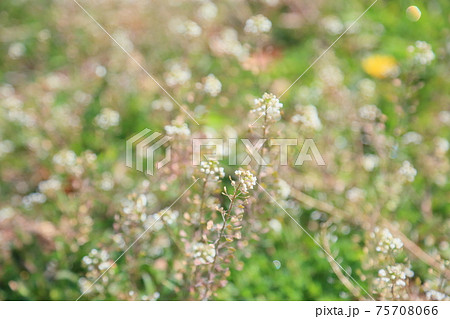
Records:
x=217, y=242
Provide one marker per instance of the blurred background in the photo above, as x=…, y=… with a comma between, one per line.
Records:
x=376, y=104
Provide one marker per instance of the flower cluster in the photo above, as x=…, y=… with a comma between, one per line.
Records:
x=207, y=10
x=107, y=118
x=268, y=106
x=203, y=253
x=369, y=112
x=49, y=186
x=211, y=85
x=173, y=129
x=227, y=42
x=395, y=275
x=422, y=52
x=96, y=263
x=167, y=215
x=407, y=171
x=246, y=180
x=258, y=24
x=178, y=74
x=33, y=198
x=212, y=169
x=370, y=162
x=163, y=104
x=186, y=27
x=386, y=242
x=308, y=117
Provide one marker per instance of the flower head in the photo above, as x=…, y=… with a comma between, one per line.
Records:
x=258, y=24
x=107, y=118
x=211, y=85
x=212, y=169
x=268, y=106
x=422, y=53
x=203, y=253
x=246, y=180
x=407, y=171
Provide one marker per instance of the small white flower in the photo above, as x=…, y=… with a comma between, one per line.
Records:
x=34, y=198
x=211, y=85
x=369, y=112
x=407, y=171
x=386, y=242
x=16, y=50
x=65, y=158
x=49, y=186
x=246, y=180
x=422, y=53
x=355, y=194
x=227, y=42
x=308, y=117
x=182, y=130
x=412, y=138
x=178, y=74
x=163, y=104
x=186, y=27
x=268, y=107
x=258, y=24
x=212, y=169
x=207, y=10
x=370, y=162
x=107, y=118
x=203, y=253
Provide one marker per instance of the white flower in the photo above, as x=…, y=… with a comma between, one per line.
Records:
x=65, y=158
x=16, y=50
x=33, y=198
x=246, y=180
x=211, y=85
x=283, y=188
x=395, y=275
x=107, y=182
x=332, y=24
x=258, y=24
x=49, y=186
x=369, y=112
x=212, y=169
x=367, y=88
x=167, y=215
x=207, y=10
x=412, y=138
x=422, y=53
x=227, y=42
x=163, y=104
x=107, y=118
x=386, y=242
x=370, y=161
x=268, y=106
x=407, y=171
x=308, y=117
x=355, y=194
x=442, y=145
x=186, y=27
x=203, y=253
x=178, y=74
x=182, y=129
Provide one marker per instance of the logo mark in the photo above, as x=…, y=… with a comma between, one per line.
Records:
x=145, y=149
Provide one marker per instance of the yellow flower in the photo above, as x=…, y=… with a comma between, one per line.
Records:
x=380, y=66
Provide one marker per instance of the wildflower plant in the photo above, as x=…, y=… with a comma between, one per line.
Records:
x=77, y=223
